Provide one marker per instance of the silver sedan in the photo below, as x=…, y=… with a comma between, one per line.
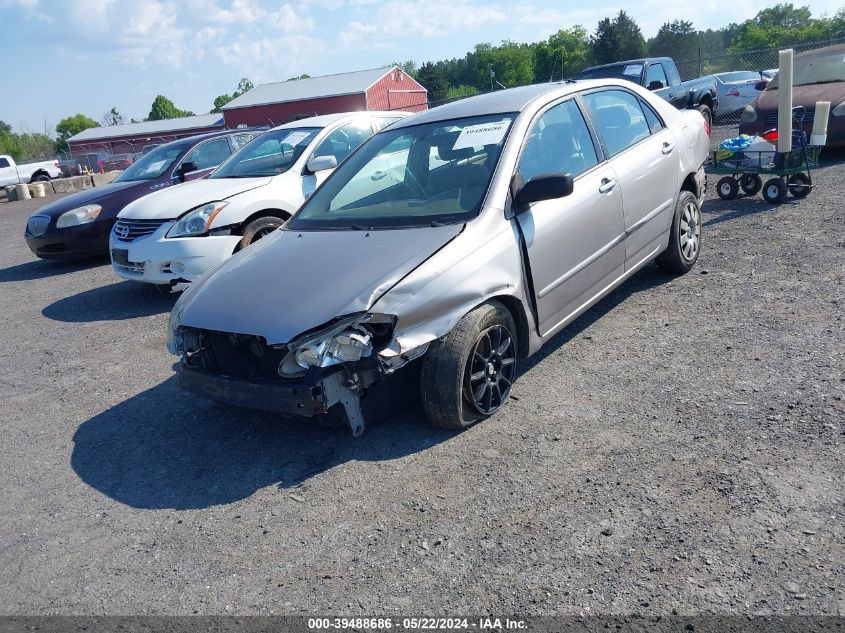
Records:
x=502, y=218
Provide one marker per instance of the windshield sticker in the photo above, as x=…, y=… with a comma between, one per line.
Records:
x=154, y=166
x=483, y=134
x=633, y=69
x=295, y=138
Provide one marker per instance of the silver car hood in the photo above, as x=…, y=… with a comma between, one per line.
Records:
x=291, y=282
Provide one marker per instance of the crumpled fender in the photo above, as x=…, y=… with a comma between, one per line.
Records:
x=484, y=261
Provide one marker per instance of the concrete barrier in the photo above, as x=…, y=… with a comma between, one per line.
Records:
x=59, y=185
x=36, y=189
x=22, y=192
x=98, y=180
x=74, y=183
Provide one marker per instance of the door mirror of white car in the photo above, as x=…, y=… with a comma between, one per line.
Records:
x=544, y=187
x=321, y=163
x=186, y=168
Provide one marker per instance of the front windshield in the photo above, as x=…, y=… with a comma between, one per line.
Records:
x=425, y=175
x=152, y=165
x=270, y=154
x=816, y=68
x=631, y=72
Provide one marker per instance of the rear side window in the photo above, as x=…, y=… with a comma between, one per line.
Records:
x=559, y=142
x=654, y=122
x=4, y=162
x=341, y=142
x=619, y=119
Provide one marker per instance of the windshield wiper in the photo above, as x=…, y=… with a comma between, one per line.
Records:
x=360, y=227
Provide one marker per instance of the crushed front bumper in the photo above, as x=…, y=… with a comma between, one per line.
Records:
x=307, y=397
x=301, y=399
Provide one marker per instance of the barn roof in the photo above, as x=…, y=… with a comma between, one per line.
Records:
x=311, y=88
x=147, y=128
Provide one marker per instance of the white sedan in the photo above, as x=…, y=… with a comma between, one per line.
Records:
x=173, y=236
x=735, y=90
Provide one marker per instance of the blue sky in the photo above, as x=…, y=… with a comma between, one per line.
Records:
x=69, y=56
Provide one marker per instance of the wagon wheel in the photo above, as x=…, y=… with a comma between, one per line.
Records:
x=727, y=188
x=751, y=184
x=799, y=185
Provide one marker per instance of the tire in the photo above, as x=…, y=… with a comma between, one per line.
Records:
x=708, y=117
x=41, y=178
x=774, y=191
x=799, y=185
x=259, y=228
x=751, y=184
x=684, y=237
x=727, y=188
x=452, y=371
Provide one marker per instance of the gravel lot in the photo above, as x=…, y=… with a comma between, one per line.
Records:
x=678, y=447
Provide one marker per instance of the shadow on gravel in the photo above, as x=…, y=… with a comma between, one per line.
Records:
x=647, y=278
x=166, y=449
x=718, y=211
x=41, y=269
x=115, y=302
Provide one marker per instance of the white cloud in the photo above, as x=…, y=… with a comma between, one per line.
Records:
x=397, y=20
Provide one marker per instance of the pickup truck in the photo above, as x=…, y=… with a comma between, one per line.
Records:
x=13, y=174
x=660, y=75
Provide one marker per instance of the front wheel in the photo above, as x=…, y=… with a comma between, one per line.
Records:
x=467, y=376
x=684, y=236
x=727, y=188
x=751, y=184
x=41, y=178
x=258, y=228
x=799, y=185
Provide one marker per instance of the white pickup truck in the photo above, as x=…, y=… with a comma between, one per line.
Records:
x=12, y=174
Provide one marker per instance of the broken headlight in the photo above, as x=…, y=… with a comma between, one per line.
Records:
x=347, y=347
x=346, y=341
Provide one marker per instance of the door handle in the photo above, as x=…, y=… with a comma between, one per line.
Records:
x=378, y=175
x=607, y=185
x=668, y=147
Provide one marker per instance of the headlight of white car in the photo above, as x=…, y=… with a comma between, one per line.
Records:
x=749, y=115
x=196, y=221
x=839, y=110
x=80, y=215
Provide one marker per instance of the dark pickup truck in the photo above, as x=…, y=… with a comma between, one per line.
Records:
x=660, y=75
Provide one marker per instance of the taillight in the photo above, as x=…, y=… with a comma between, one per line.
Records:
x=770, y=135
x=707, y=128
x=733, y=93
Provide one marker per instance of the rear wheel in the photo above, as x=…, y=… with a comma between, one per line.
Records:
x=751, y=184
x=774, y=191
x=708, y=117
x=684, y=236
x=727, y=188
x=41, y=178
x=258, y=228
x=799, y=185
x=467, y=376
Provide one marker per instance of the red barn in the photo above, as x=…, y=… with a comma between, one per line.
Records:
x=132, y=137
x=388, y=88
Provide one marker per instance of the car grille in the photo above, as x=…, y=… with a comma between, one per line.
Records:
x=772, y=117
x=37, y=224
x=127, y=230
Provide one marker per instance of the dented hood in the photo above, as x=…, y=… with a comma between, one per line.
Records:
x=174, y=201
x=291, y=281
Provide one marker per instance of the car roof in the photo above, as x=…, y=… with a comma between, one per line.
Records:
x=638, y=60
x=190, y=140
x=504, y=101
x=324, y=120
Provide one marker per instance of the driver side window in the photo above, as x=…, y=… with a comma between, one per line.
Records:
x=559, y=142
x=210, y=154
x=345, y=139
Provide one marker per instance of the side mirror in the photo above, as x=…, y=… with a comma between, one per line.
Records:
x=656, y=85
x=321, y=163
x=544, y=187
x=761, y=85
x=186, y=168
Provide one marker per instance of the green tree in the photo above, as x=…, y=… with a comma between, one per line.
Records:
x=244, y=85
x=113, y=117
x=512, y=63
x=302, y=76
x=458, y=92
x=5, y=127
x=70, y=126
x=777, y=26
x=677, y=39
x=563, y=55
x=36, y=146
x=409, y=66
x=10, y=144
x=617, y=39
x=433, y=78
x=163, y=108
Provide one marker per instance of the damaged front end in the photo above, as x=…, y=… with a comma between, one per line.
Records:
x=306, y=377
